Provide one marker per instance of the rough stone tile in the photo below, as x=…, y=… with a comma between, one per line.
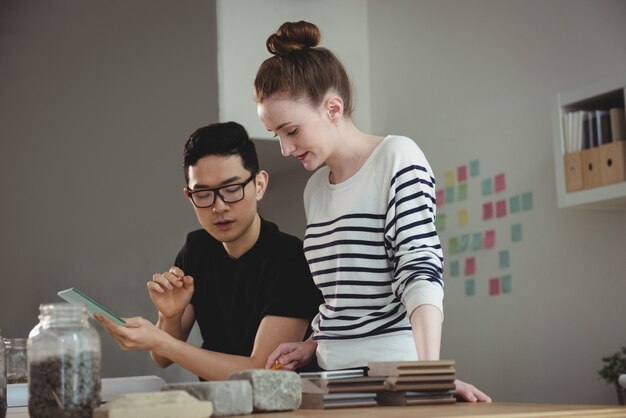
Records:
x=233, y=397
x=278, y=390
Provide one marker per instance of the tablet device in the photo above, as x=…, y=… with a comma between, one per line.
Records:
x=73, y=295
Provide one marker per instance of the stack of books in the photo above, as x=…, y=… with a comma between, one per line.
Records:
x=415, y=382
x=382, y=383
x=346, y=388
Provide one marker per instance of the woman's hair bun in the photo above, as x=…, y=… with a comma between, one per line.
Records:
x=293, y=37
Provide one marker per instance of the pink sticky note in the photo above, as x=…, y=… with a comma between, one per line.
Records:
x=441, y=197
x=470, y=266
x=490, y=239
x=487, y=211
x=461, y=173
x=499, y=183
x=494, y=286
x=501, y=208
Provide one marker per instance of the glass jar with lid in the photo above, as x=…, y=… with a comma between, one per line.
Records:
x=63, y=363
x=3, y=382
x=17, y=367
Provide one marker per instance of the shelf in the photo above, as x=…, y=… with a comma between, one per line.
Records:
x=603, y=95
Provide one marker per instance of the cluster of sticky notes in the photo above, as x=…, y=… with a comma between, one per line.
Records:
x=456, y=188
x=496, y=286
x=497, y=184
x=475, y=241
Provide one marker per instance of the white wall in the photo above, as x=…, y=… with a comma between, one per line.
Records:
x=97, y=99
x=245, y=25
x=475, y=80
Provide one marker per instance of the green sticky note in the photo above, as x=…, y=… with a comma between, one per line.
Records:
x=477, y=241
x=527, y=201
x=440, y=222
x=474, y=168
x=454, y=245
x=464, y=241
x=505, y=284
x=516, y=232
x=504, y=259
x=455, y=268
x=487, y=186
x=462, y=191
x=470, y=287
x=449, y=194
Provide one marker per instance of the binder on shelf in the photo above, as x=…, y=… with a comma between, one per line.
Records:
x=573, y=172
x=613, y=162
x=590, y=167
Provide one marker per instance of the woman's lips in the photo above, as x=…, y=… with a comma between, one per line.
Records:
x=302, y=156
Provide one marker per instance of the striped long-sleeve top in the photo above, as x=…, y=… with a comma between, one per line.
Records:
x=374, y=252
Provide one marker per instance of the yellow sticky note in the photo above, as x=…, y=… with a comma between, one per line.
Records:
x=449, y=178
x=463, y=217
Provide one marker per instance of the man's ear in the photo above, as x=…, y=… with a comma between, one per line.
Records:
x=260, y=183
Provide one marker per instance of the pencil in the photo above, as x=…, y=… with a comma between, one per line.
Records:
x=277, y=366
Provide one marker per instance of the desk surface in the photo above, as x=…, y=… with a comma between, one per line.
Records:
x=495, y=410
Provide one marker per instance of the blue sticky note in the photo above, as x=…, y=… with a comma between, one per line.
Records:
x=470, y=287
x=449, y=194
x=462, y=191
x=516, y=232
x=505, y=284
x=504, y=259
x=474, y=168
x=455, y=268
x=464, y=241
x=514, y=204
x=440, y=222
x=527, y=201
x=477, y=241
x=487, y=186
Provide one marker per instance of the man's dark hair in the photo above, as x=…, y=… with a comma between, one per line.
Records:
x=228, y=138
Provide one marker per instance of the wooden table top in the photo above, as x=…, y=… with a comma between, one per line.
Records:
x=477, y=410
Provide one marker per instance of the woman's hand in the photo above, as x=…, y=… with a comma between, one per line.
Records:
x=292, y=356
x=469, y=392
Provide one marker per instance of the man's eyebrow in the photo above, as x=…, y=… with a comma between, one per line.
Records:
x=225, y=182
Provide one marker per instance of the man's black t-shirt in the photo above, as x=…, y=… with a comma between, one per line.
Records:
x=232, y=296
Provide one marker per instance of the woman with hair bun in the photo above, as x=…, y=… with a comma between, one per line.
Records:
x=370, y=240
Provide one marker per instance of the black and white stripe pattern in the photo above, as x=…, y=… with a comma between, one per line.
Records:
x=371, y=239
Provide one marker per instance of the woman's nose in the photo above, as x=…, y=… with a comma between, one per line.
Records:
x=286, y=147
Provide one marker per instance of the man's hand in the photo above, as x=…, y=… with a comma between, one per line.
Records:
x=171, y=292
x=292, y=355
x=137, y=334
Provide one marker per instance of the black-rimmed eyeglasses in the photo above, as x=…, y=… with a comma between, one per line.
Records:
x=205, y=198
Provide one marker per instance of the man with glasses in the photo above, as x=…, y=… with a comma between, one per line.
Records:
x=246, y=284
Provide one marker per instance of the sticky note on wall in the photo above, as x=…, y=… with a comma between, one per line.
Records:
x=474, y=168
x=490, y=239
x=494, y=286
x=449, y=178
x=500, y=183
x=470, y=266
x=487, y=211
x=461, y=173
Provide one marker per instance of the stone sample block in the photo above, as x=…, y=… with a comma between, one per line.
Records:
x=177, y=404
x=272, y=390
x=231, y=397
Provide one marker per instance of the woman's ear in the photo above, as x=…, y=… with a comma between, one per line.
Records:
x=260, y=183
x=334, y=107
